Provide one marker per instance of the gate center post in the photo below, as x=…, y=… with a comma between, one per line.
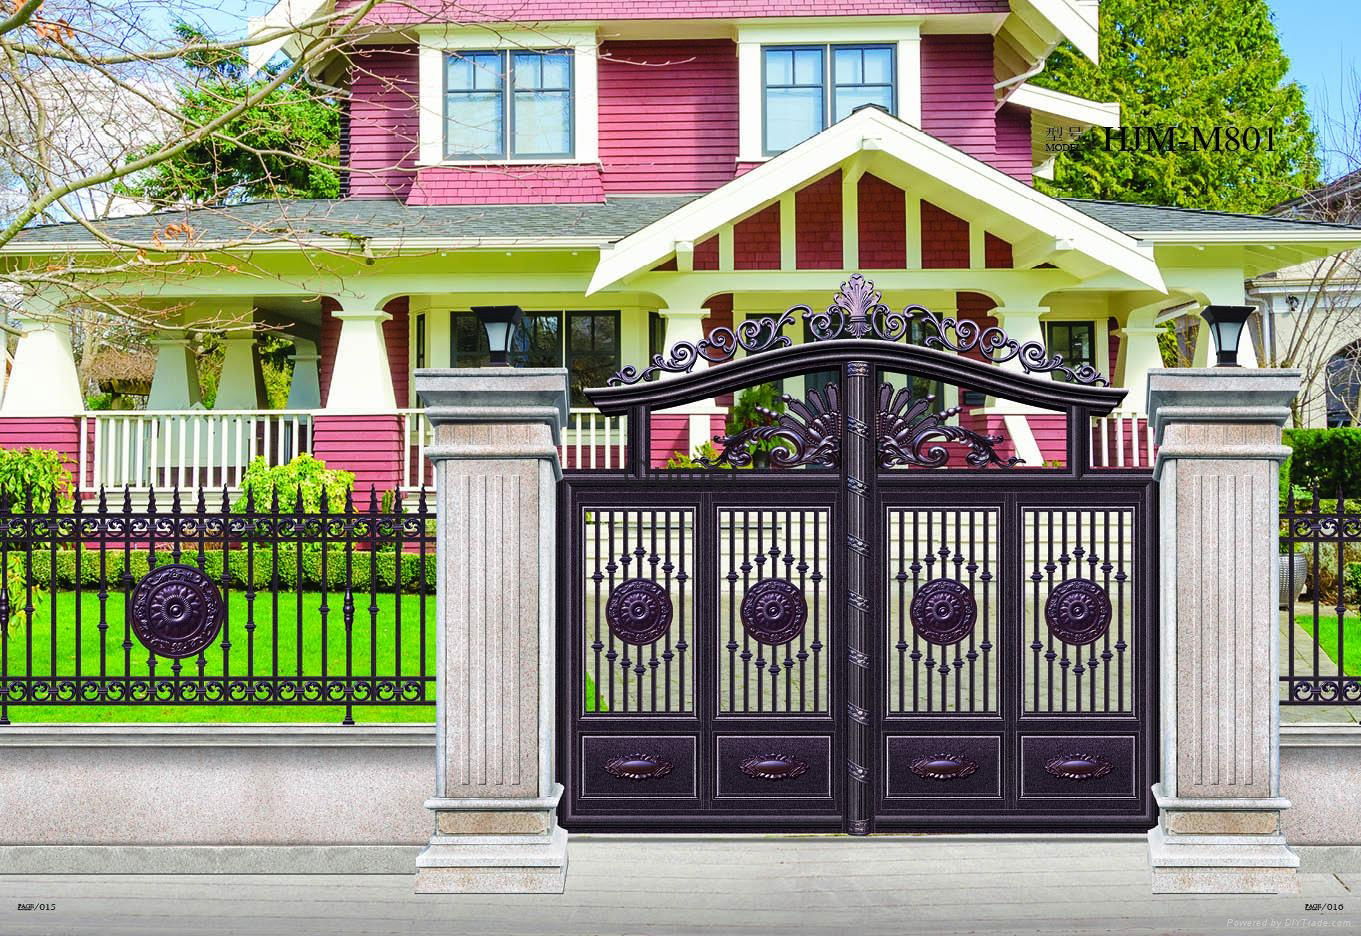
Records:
x=860, y=473
x=1219, y=799
x=496, y=477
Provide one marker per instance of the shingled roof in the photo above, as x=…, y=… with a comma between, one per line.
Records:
x=392, y=222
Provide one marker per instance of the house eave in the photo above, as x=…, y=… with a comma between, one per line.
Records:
x=330, y=244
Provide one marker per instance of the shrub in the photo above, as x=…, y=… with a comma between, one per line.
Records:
x=32, y=478
x=1328, y=460
x=256, y=567
x=304, y=474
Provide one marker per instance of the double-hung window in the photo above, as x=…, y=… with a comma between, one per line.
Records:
x=1075, y=341
x=809, y=88
x=508, y=105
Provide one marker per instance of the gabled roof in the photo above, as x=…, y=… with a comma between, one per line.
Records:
x=962, y=184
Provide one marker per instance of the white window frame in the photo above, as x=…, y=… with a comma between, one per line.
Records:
x=902, y=33
x=437, y=42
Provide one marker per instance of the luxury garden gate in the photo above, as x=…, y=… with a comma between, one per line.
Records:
x=889, y=623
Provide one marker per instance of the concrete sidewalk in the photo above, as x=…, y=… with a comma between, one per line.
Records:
x=666, y=885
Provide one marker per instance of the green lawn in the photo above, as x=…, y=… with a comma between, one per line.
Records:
x=1327, y=638
x=255, y=657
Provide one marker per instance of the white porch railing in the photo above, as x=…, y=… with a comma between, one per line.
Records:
x=186, y=449
x=1122, y=440
x=589, y=441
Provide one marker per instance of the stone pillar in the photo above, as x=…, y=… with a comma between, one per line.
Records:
x=1219, y=800
x=361, y=380
x=174, y=385
x=304, y=391
x=496, y=471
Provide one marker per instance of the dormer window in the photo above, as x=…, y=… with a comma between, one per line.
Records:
x=808, y=88
x=508, y=104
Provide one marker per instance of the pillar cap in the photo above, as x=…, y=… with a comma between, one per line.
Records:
x=1220, y=394
x=494, y=394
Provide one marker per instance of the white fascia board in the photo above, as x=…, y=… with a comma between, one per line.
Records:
x=284, y=15
x=873, y=129
x=1077, y=22
x=1067, y=106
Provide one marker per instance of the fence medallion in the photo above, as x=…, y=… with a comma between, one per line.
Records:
x=1078, y=767
x=639, y=767
x=774, y=611
x=639, y=612
x=944, y=611
x=773, y=767
x=944, y=767
x=176, y=611
x=1078, y=611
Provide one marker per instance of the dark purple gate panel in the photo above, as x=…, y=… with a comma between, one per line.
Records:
x=646, y=766
x=942, y=766
x=774, y=643
x=773, y=766
x=638, y=588
x=942, y=608
x=1078, y=766
x=1080, y=627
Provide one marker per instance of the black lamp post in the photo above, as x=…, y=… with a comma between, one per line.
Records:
x=1226, y=323
x=500, y=323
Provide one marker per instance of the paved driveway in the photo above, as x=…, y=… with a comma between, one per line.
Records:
x=754, y=885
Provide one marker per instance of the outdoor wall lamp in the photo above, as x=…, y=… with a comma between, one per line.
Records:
x=1226, y=322
x=500, y=323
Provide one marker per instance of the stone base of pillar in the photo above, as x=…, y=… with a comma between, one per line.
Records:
x=501, y=846
x=1221, y=846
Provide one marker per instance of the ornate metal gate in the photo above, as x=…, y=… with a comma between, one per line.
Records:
x=893, y=625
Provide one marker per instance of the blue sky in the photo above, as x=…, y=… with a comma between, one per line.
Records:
x=1323, y=40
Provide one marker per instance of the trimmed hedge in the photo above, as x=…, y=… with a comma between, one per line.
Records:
x=1328, y=460
x=260, y=567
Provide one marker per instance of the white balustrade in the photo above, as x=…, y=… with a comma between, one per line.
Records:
x=144, y=450
x=1122, y=440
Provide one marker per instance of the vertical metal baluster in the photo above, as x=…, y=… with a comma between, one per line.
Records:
x=1294, y=589
x=375, y=544
x=916, y=655
x=1341, y=608
x=972, y=569
x=639, y=554
x=746, y=586
x=597, y=607
x=1065, y=664
x=1317, y=621
x=959, y=662
x=421, y=581
x=274, y=536
x=985, y=579
x=1078, y=553
x=249, y=533
x=789, y=576
x=682, y=576
x=760, y=574
x=653, y=559
x=102, y=594
x=612, y=654
x=1092, y=562
x=126, y=578
x=1120, y=577
x=28, y=592
x=52, y=587
x=732, y=645
x=1106, y=654
x=900, y=517
x=819, y=691
x=300, y=588
x=802, y=569
x=324, y=608
x=347, y=609
x=226, y=594
x=6, y=513
x=624, y=559
x=200, y=518
x=668, y=655
x=396, y=517
x=930, y=555
x=1049, y=568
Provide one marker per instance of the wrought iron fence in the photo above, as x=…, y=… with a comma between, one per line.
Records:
x=116, y=603
x=1320, y=600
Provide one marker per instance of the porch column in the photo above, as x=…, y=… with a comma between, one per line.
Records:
x=688, y=325
x=1140, y=353
x=496, y=466
x=43, y=380
x=1219, y=800
x=242, y=385
x=1023, y=324
x=174, y=385
x=304, y=391
x=361, y=381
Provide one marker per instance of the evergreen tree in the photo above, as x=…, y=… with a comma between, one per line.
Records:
x=1192, y=64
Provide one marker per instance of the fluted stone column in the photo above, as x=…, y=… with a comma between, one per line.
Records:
x=496, y=474
x=1219, y=800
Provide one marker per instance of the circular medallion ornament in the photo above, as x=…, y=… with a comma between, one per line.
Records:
x=944, y=611
x=176, y=611
x=639, y=612
x=1078, y=611
x=774, y=611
